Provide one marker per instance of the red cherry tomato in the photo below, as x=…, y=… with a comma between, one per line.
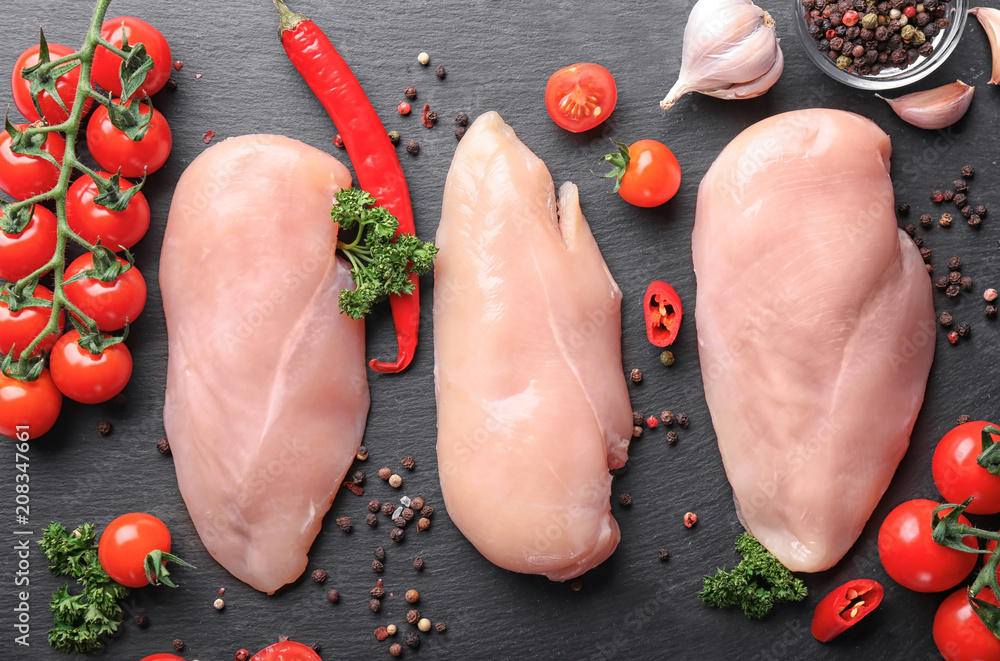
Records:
x=652, y=175
x=126, y=542
x=23, y=254
x=65, y=87
x=30, y=408
x=23, y=176
x=110, y=304
x=911, y=556
x=106, y=67
x=162, y=657
x=86, y=378
x=580, y=96
x=115, y=229
x=286, y=651
x=113, y=150
x=958, y=476
x=19, y=329
x=959, y=633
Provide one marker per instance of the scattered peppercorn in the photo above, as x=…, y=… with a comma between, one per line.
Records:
x=374, y=605
x=946, y=219
x=941, y=282
x=400, y=522
x=962, y=419
x=918, y=241
x=391, y=629
x=952, y=291
x=671, y=437
x=407, y=513
x=171, y=84
x=423, y=524
x=380, y=554
x=925, y=254
x=403, y=108
x=949, y=195
x=637, y=419
x=396, y=535
x=242, y=655
x=462, y=119
x=377, y=567
x=682, y=420
x=636, y=431
x=358, y=477
x=395, y=481
x=387, y=508
x=625, y=500
x=141, y=620
x=910, y=230
x=440, y=627
x=636, y=375
x=163, y=446
x=412, y=596
x=423, y=58
x=362, y=453
x=338, y=141
x=981, y=210
x=937, y=196
x=408, y=463
x=178, y=645
x=103, y=427
x=440, y=72
x=427, y=511
x=652, y=422
x=410, y=92
x=460, y=133
x=663, y=554
x=975, y=220
x=417, y=504
x=667, y=358
x=381, y=633
x=219, y=604
x=418, y=564
x=968, y=172
x=412, y=146
x=967, y=211
x=990, y=295
x=955, y=277
x=344, y=523
x=902, y=208
x=926, y=220
x=960, y=200
x=429, y=117
x=955, y=263
x=396, y=649
x=668, y=418
x=413, y=640
x=319, y=576
x=385, y=472
x=374, y=505
x=394, y=137
x=966, y=283
x=333, y=596
x=378, y=591
x=953, y=337
x=690, y=519
x=413, y=616
x=963, y=329
x=991, y=311
x=424, y=624
x=946, y=319
x=960, y=185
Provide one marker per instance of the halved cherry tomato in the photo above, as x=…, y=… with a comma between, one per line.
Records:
x=23, y=254
x=28, y=407
x=23, y=176
x=114, y=151
x=959, y=633
x=162, y=657
x=911, y=556
x=664, y=312
x=844, y=607
x=110, y=304
x=286, y=651
x=20, y=328
x=580, y=96
x=66, y=86
x=647, y=173
x=126, y=542
x=88, y=378
x=958, y=476
x=115, y=229
x=107, y=64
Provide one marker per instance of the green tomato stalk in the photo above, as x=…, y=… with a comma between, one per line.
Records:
x=15, y=216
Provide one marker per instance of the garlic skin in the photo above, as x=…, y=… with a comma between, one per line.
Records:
x=933, y=109
x=990, y=18
x=730, y=51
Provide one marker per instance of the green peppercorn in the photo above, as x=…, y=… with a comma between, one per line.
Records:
x=843, y=62
x=667, y=358
x=907, y=32
x=394, y=137
x=919, y=38
x=870, y=21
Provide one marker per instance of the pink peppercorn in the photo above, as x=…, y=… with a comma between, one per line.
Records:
x=910, y=11
x=403, y=108
x=851, y=17
x=651, y=422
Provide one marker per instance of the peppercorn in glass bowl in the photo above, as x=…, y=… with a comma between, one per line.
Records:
x=942, y=42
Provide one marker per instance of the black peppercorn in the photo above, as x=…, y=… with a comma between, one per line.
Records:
x=942, y=22
x=178, y=645
x=966, y=283
x=910, y=230
x=374, y=605
x=163, y=446
x=961, y=200
x=663, y=554
x=378, y=591
x=949, y=195
x=963, y=329
x=625, y=500
x=396, y=649
x=103, y=427
x=408, y=463
x=946, y=319
x=362, y=453
x=991, y=311
x=400, y=522
x=319, y=576
x=967, y=211
x=440, y=627
x=981, y=210
x=371, y=519
x=941, y=282
x=930, y=31
x=460, y=133
x=410, y=92
x=926, y=49
x=635, y=375
x=413, y=640
x=968, y=171
x=418, y=564
x=954, y=263
x=637, y=418
x=682, y=420
x=462, y=119
x=668, y=418
x=918, y=241
x=344, y=523
x=412, y=146
x=925, y=253
x=926, y=220
x=333, y=596
x=952, y=291
x=141, y=621
x=975, y=220
x=396, y=535
x=427, y=511
x=671, y=437
x=358, y=477
x=960, y=185
x=387, y=508
x=417, y=504
x=954, y=277
x=374, y=506
x=440, y=72
x=836, y=44
x=171, y=84
x=902, y=208
x=413, y=616
x=380, y=554
x=407, y=513
x=962, y=419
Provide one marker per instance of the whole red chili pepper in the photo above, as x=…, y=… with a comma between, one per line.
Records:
x=844, y=607
x=663, y=310
x=368, y=146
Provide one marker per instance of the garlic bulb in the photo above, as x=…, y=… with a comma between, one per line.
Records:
x=933, y=109
x=990, y=18
x=730, y=52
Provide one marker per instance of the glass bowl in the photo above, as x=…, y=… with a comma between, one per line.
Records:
x=944, y=44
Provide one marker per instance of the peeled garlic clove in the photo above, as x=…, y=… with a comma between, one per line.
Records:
x=990, y=18
x=730, y=51
x=933, y=109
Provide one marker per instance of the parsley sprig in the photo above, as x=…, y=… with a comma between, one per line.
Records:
x=83, y=622
x=379, y=265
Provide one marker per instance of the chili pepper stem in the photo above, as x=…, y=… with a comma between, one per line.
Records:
x=289, y=19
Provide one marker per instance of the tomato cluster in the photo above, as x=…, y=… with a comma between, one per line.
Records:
x=103, y=211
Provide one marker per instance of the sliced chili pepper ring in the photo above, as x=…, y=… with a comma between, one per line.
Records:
x=844, y=607
x=663, y=310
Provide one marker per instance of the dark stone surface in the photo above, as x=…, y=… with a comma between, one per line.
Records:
x=498, y=56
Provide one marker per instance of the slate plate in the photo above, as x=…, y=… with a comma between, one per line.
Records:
x=498, y=57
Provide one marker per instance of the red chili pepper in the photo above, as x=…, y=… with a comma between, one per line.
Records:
x=663, y=311
x=368, y=146
x=844, y=607
x=286, y=651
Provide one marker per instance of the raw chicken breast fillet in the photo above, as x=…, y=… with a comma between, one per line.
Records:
x=533, y=409
x=815, y=328
x=267, y=393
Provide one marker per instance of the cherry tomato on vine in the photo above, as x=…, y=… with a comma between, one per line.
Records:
x=114, y=151
x=162, y=657
x=580, y=96
x=85, y=377
x=126, y=542
x=107, y=64
x=20, y=328
x=958, y=476
x=115, y=229
x=30, y=407
x=286, y=651
x=959, y=633
x=110, y=304
x=23, y=254
x=24, y=176
x=647, y=173
x=65, y=87
x=912, y=557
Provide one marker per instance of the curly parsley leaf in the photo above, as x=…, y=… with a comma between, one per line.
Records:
x=381, y=263
x=756, y=584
